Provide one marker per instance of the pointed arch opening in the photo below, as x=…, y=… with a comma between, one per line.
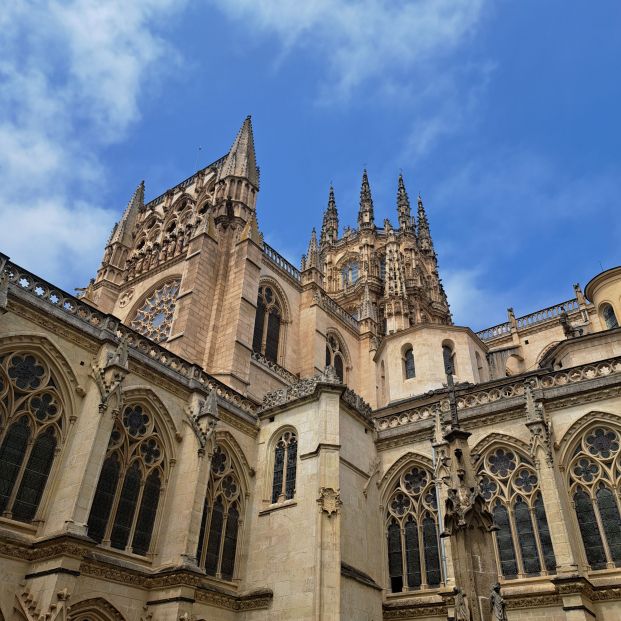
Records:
x=269, y=326
x=336, y=355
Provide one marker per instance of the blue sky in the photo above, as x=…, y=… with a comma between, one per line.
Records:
x=503, y=115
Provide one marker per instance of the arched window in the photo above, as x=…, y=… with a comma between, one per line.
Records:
x=412, y=532
x=409, y=370
x=350, y=273
x=222, y=511
x=608, y=314
x=285, y=467
x=448, y=357
x=267, y=324
x=594, y=481
x=130, y=483
x=31, y=422
x=510, y=485
x=154, y=318
x=334, y=356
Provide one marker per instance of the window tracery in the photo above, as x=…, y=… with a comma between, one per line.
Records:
x=31, y=425
x=594, y=483
x=267, y=324
x=222, y=518
x=412, y=532
x=510, y=486
x=285, y=467
x=335, y=356
x=154, y=318
x=350, y=273
x=130, y=484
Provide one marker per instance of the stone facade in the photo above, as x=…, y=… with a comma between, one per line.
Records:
x=207, y=432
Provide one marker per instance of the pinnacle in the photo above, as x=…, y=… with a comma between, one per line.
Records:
x=241, y=159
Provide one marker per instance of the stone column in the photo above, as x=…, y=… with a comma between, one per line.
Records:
x=550, y=482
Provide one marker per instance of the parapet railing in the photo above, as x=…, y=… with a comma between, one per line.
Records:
x=285, y=374
x=43, y=291
x=526, y=321
x=281, y=262
x=327, y=303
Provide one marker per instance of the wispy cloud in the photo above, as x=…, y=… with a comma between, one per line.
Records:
x=363, y=40
x=71, y=76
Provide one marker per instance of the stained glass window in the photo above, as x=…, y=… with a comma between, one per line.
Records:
x=412, y=532
x=128, y=491
x=509, y=483
x=594, y=475
x=154, y=318
x=31, y=420
x=285, y=465
x=610, y=319
x=408, y=363
x=350, y=273
x=267, y=324
x=220, y=524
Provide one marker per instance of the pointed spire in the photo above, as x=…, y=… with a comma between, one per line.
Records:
x=241, y=159
x=312, y=255
x=367, y=310
x=404, y=213
x=330, y=226
x=423, y=233
x=365, y=214
x=121, y=233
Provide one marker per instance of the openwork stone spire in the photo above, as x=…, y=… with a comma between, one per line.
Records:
x=403, y=207
x=241, y=160
x=365, y=214
x=367, y=310
x=121, y=233
x=312, y=255
x=330, y=226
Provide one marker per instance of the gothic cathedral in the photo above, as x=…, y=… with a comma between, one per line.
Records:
x=208, y=432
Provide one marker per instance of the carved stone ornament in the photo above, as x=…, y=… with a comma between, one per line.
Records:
x=329, y=500
x=4, y=291
x=110, y=376
x=125, y=298
x=539, y=427
x=465, y=508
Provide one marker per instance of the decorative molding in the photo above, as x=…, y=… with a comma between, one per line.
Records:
x=329, y=501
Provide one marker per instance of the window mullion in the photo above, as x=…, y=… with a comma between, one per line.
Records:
x=405, y=583
x=20, y=475
x=221, y=548
x=130, y=538
x=266, y=317
x=516, y=541
x=115, y=505
x=543, y=570
x=203, y=551
x=609, y=562
x=421, y=551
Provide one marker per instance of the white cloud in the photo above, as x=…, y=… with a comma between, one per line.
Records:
x=362, y=40
x=71, y=75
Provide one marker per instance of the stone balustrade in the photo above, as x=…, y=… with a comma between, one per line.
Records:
x=278, y=260
x=283, y=373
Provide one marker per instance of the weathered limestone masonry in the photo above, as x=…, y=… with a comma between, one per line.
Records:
x=208, y=432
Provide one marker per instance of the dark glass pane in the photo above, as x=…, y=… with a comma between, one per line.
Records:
x=279, y=460
x=11, y=457
x=230, y=544
x=544, y=534
x=409, y=364
x=412, y=554
x=506, y=551
x=526, y=537
x=273, y=334
x=432, y=553
x=338, y=366
x=202, y=534
x=589, y=530
x=215, y=535
x=395, y=558
x=146, y=515
x=126, y=508
x=328, y=357
x=447, y=355
x=104, y=497
x=35, y=476
x=292, y=452
x=611, y=521
x=258, y=326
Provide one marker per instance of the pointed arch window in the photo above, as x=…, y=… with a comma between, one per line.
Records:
x=31, y=424
x=594, y=481
x=221, y=522
x=335, y=356
x=154, y=318
x=350, y=273
x=267, y=324
x=412, y=532
x=409, y=370
x=130, y=484
x=608, y=314
x=285, y=467
x=510, y=486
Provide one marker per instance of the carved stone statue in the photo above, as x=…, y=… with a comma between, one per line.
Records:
x=497, y=604
x=462, y=611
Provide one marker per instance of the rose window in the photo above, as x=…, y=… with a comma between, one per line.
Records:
x=602, y=442
x=26, y=372
x=502, y=462
x=43, y=406
x=415, y=479
x=585, y=469
x=526, y=480
x=400, y=504
x=487, y=487
x=154, y=318
x=218, y=461
x=135, y=421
